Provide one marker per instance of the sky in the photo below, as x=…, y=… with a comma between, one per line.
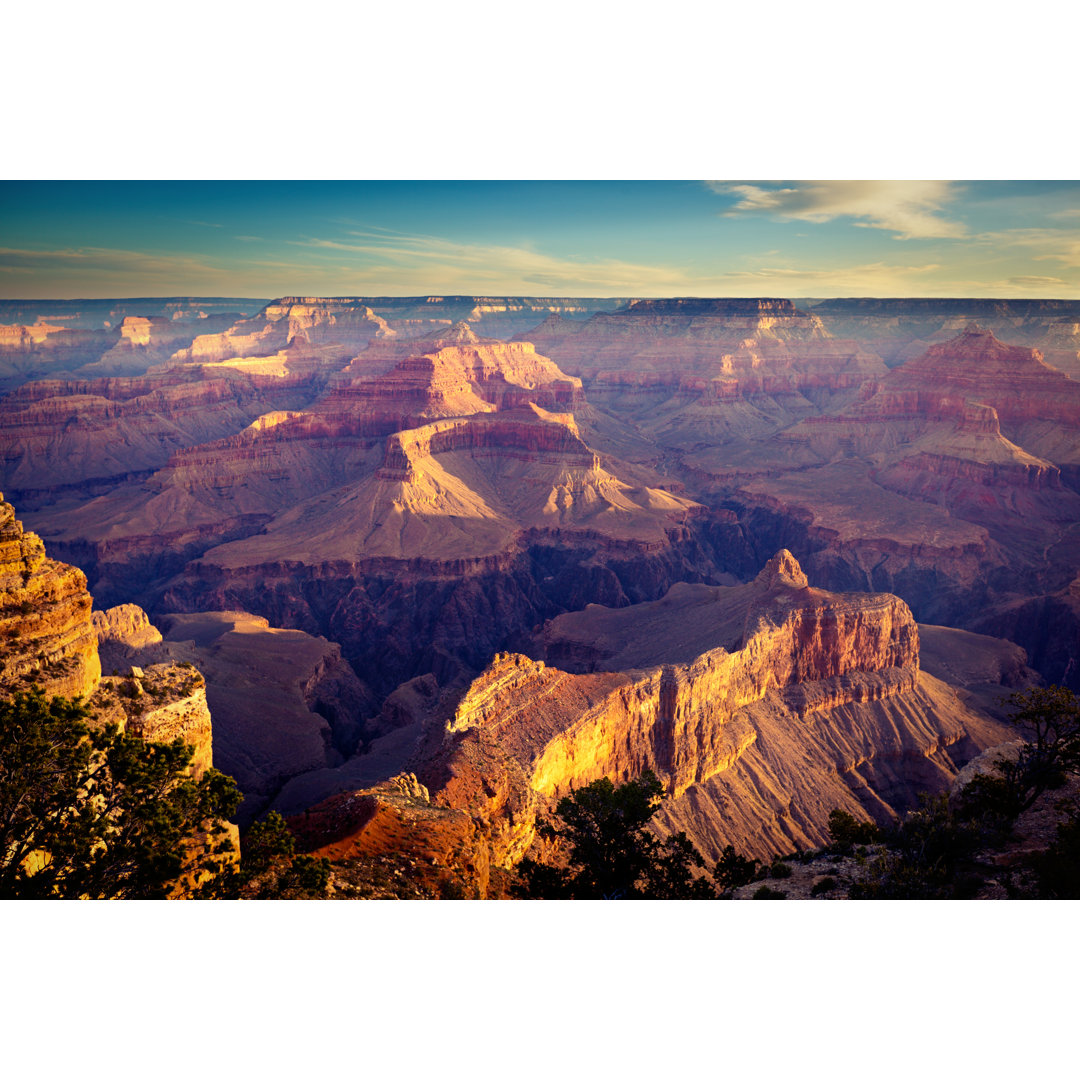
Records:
x=69, y=239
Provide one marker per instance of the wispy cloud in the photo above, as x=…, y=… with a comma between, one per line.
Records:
x=909, y=208
x=440, y=264
x=1040, y=245
x=101, y=260
x=1033, y=281
x=863, y=279
x=100, y=271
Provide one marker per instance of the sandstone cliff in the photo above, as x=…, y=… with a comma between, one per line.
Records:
x=952, y=483
x=651, y=335
x=45, y=628
x=761, y=708
x=49, y=639
x=57, y=437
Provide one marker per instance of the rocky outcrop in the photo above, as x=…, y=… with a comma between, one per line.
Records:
x=434, y=851
x=49, y=640
x=453, y=380
x=161, y=703
x=1036, y=406
x=46, y=636
x=284, y=702
x=760, y=707
x=126, y=625
x=302, y=321
x=57, y=437
x=805, y=701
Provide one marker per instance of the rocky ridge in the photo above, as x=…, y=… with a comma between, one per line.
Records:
x=49, y=639
x=760, y=707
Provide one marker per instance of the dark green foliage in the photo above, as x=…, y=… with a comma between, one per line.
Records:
x=611, y=854
x=270, y=869
x=826, y=884
x=733, y=871
x=845, y=831
x=779, y=869
x=922, y=856
x=765, y=893
x=98, y=814
x=1048, y=718
x=1057, y=869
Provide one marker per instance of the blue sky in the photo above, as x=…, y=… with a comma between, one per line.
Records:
x=594, y=238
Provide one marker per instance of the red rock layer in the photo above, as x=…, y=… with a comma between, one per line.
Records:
x=820, y=694
x=661, y=336
x=281, y=324
x=48, y=639
x=57, y=434
x=1037, y=406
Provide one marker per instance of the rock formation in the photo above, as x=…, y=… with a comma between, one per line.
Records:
x=951, y=483
x=58, y=437
x=901, y=329
x=283, y=702
x=761, y=707
x=49, y=639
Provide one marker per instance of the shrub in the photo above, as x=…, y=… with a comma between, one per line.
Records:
x=100, y=814
x=845, y=831
x=612, y=854
x=734, y=870
x=765, y=893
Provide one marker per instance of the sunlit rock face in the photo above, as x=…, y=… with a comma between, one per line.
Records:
x=952, y=483
x=49, y=640
x=761, y=707
x=805, y=701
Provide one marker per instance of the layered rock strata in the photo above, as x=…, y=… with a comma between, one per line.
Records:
x=45, y=628
x=950, y=484
x=59, y=437
x=900, y=329
x=689, y=336
x=49, y=640
x=760, y=707
x=283, y=702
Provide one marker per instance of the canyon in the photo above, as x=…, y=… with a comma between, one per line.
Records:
x=442, y=560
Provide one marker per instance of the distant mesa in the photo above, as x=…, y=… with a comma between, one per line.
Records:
x=692, y=306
